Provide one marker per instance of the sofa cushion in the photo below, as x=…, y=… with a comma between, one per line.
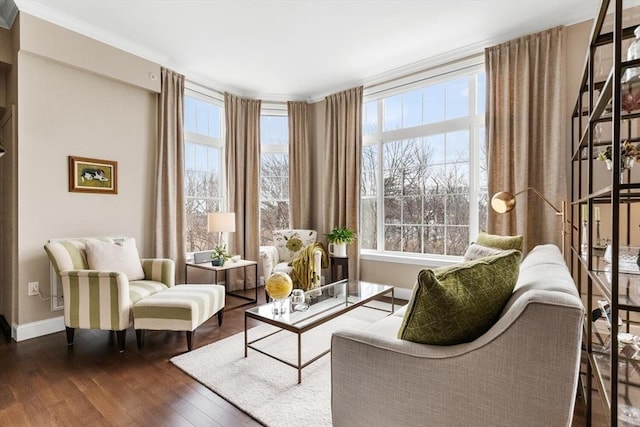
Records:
x=122, y=257
x=500, y=242
x=140, y=289
x=456, y=304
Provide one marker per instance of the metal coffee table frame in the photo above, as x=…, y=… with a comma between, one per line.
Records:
x=373, y=291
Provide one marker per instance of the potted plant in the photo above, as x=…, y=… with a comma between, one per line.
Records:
x=338, y=239
x=219, y=255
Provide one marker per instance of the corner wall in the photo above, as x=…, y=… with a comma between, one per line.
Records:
x=90, y=101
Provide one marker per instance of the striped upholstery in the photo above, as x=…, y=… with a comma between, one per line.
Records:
x=102, y=299
x=70, y=254
x=180, y=308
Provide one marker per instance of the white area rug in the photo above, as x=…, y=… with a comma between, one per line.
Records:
x=266, y=389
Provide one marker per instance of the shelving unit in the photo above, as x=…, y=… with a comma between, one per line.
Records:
x=612, y=349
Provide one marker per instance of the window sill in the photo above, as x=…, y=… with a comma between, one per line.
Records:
x=425, y=260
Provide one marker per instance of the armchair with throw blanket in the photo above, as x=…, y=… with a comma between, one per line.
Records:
x=296, y=253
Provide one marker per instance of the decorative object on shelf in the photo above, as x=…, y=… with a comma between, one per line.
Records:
x=278, y=286
x=627, y=258
x=633, y=52
x=338, y=239
x=93, y=175
x=219, y=255
x=584, y=242
x=629, y=154
x=503, y=202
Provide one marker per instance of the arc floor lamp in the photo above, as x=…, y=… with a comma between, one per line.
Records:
x=504, y=201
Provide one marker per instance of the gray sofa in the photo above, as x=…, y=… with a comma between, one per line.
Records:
x=522, y=372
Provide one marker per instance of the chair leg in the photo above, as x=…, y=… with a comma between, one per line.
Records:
x=140, y=337
x=190, y=339
x=220, y=315
x=70, y=333
x=120, y=338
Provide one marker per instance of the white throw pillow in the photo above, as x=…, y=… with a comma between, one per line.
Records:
x=122, y=257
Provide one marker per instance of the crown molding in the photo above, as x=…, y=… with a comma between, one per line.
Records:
x=46, y=13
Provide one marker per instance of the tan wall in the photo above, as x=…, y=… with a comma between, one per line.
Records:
x=68, y=107
x=8, y=187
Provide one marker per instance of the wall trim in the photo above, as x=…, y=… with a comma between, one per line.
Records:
x=36, y=329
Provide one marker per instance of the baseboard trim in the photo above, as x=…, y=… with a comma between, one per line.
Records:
x=37, y=329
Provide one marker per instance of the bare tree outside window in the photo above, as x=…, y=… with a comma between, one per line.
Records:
x=203, y=176
x=274, y=176
x=425, y=191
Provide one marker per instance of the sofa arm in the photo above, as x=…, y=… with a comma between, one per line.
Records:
x=159, y=270
x=269, y=258
x=524, y=368
x=96, y=299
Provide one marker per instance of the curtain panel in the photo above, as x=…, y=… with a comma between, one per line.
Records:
x=343, y=133
x=526, y=133
x=299, y=166
x=242, y=118
x=170, y=217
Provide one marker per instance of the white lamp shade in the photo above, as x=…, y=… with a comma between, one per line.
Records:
x=221, y=222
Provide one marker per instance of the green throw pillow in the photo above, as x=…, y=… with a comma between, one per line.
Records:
x=500, y=242
x=457, y=304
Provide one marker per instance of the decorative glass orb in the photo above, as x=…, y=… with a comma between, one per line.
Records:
x=278, y=287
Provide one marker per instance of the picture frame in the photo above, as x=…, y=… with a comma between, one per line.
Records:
x=93, y=175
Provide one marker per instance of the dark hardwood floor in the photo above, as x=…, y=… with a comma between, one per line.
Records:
x=45, y=383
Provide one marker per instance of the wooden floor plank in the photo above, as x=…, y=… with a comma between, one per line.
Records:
x=45, y=382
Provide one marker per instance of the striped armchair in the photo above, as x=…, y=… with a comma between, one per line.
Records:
x=95, y=299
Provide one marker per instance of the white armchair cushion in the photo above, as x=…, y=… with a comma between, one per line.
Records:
x=122, y=257
x=291, y=242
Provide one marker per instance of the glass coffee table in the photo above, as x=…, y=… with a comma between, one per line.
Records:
x=323, y=304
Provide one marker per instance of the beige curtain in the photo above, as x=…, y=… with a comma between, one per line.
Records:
x=525, y=127
x=343, y=133
x=242, y=118
x=169, y=230
x=299, y=166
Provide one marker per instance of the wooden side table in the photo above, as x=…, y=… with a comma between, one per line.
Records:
x=343, y=263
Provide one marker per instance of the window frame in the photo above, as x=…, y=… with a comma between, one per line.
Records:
x=202, y=94
x=473, y=123
x=277, y=110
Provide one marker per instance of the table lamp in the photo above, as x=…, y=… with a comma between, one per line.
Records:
x=221, y=222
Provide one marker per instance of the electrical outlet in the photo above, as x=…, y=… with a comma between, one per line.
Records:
x=34, y=288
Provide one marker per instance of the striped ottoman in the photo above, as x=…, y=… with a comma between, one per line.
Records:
x=179, y=308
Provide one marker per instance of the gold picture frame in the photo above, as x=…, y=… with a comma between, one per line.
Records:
x=93, y=175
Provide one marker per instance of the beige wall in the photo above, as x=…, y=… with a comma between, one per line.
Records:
x=90, y=101
x=8, y=171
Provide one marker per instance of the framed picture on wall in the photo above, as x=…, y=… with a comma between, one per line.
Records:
x=93, y=175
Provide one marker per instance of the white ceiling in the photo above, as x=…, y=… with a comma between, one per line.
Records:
x=306, y=49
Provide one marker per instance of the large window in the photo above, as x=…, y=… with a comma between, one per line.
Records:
x=423, y=177
x=203, y=166
x=274, y=176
